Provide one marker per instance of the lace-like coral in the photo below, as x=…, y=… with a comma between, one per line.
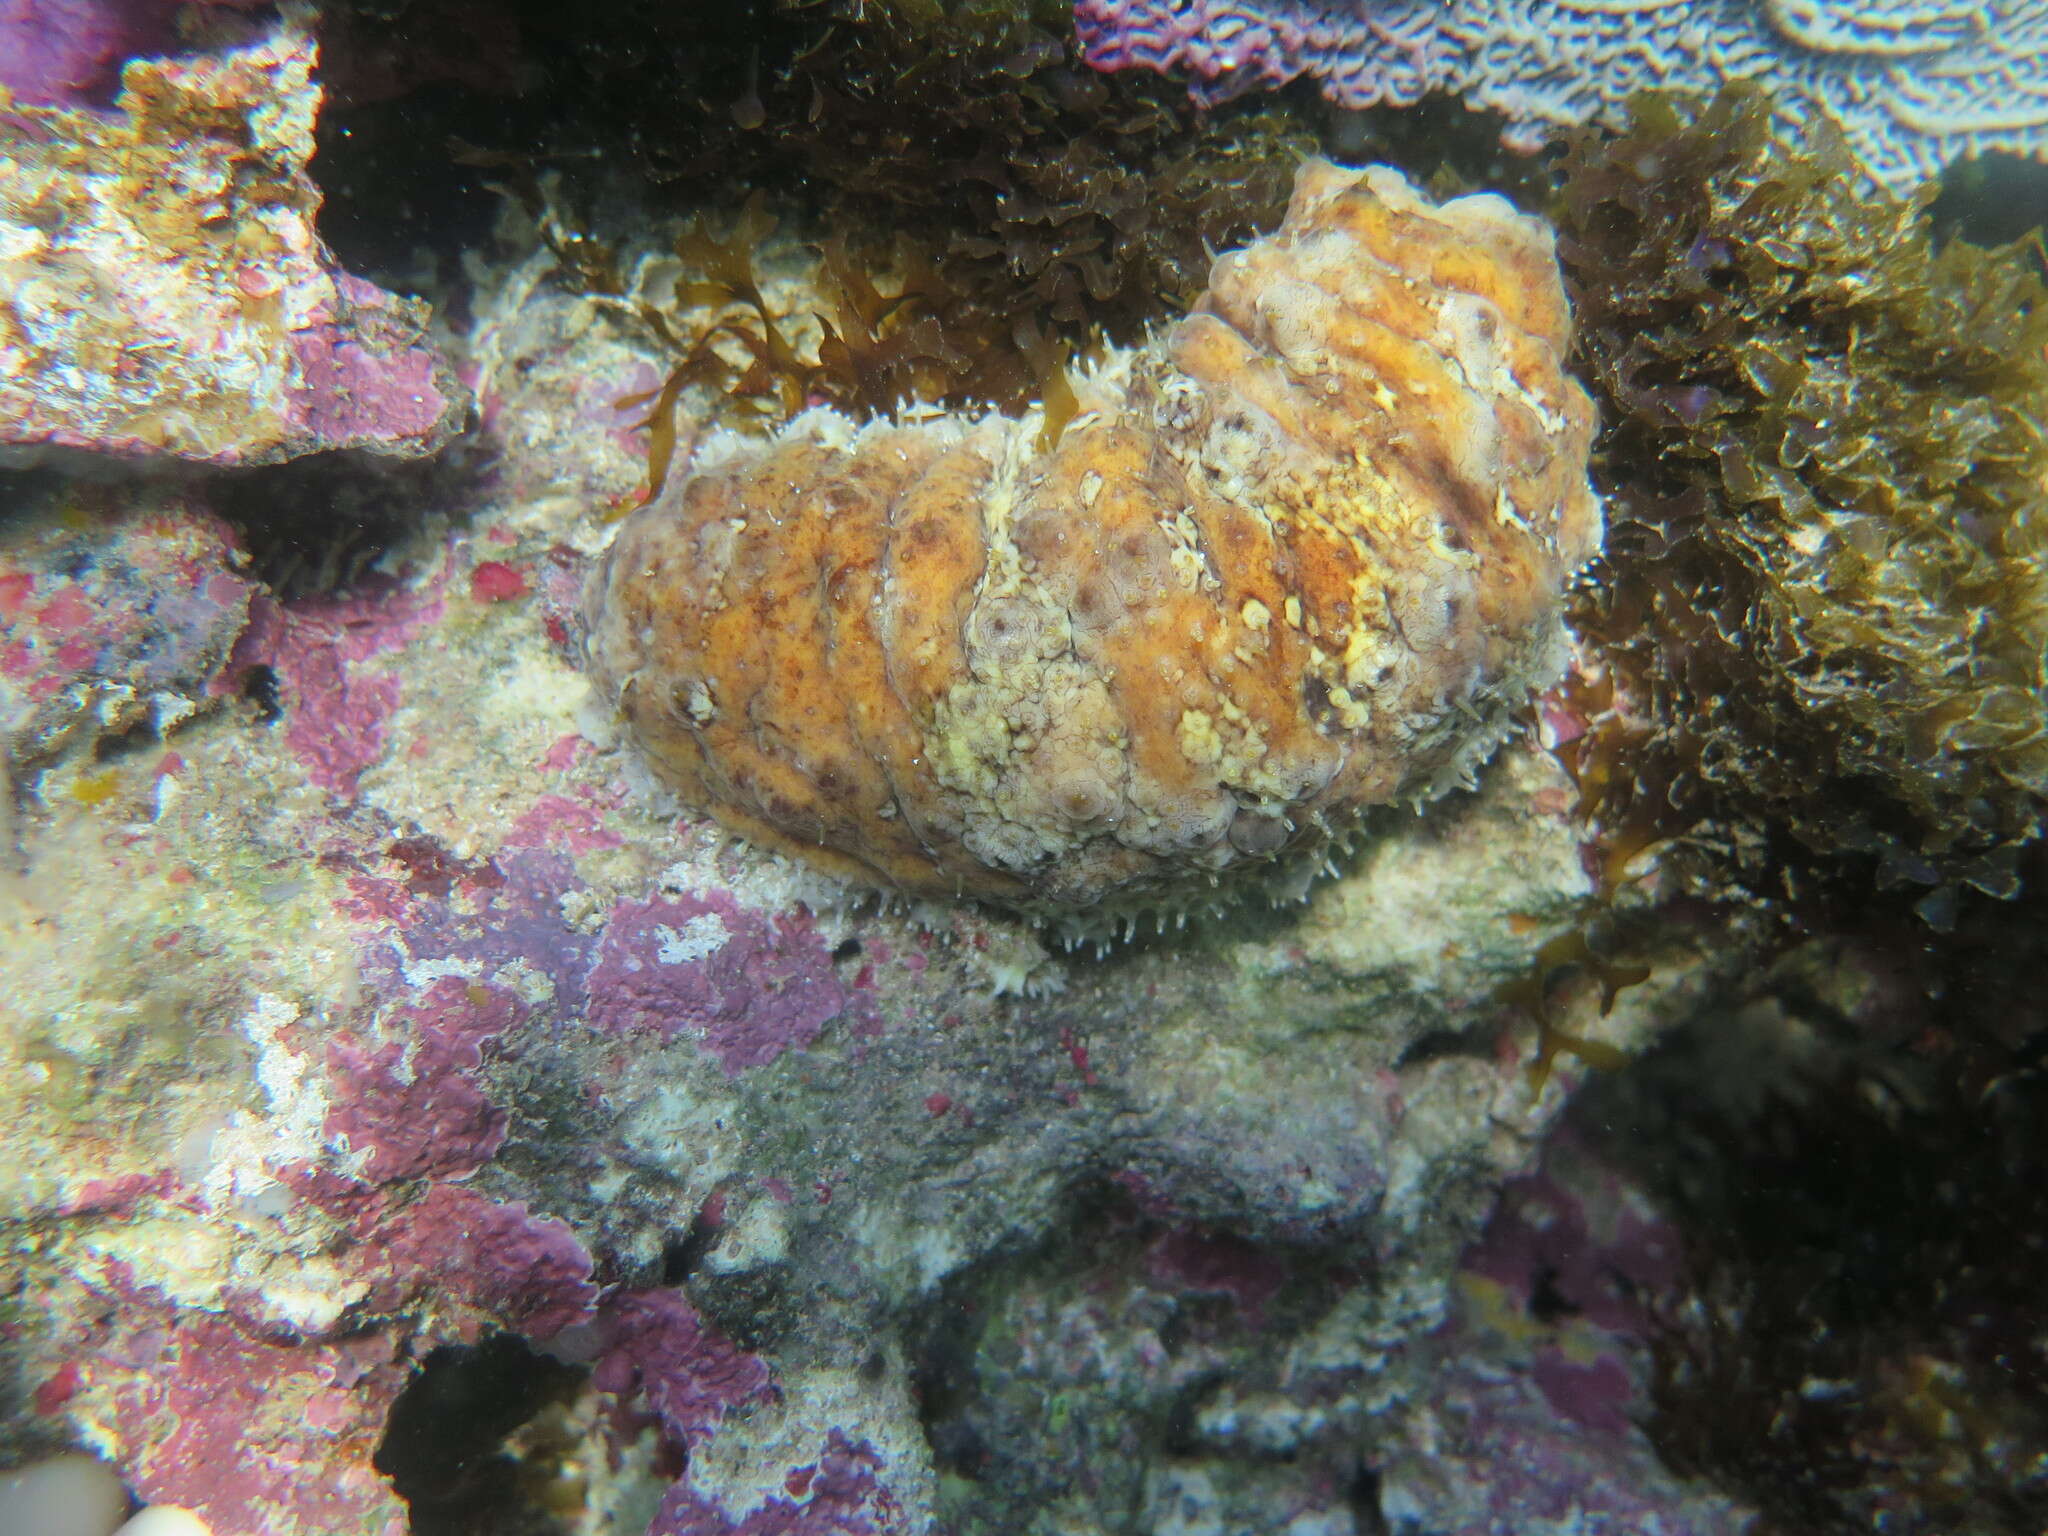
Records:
x=1298, y=556
x=1914, y=84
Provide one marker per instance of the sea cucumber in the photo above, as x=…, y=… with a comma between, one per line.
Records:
x=1299, y=555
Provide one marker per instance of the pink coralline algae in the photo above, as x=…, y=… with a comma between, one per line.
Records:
x=1915, y=84
x=659, y=1360
x=556, y=821
x=839, y=1494
x=293, y=1407
x=264, y=1429
x=411, y=1104
x=1588, y=1237
x=748, y=985
x=1535, y=1390
x=68, y=52
x=660, y=1355
x=335, y=706
x=108, y=623
x=256, y=1433
x=483, y=1263
x=163, y=292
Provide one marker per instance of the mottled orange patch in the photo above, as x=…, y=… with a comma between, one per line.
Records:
x=1299, y=556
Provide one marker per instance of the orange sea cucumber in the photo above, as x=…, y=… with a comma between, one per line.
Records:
x=1299, y=555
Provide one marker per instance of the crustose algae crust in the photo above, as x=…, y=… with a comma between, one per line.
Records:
x=1299, y=555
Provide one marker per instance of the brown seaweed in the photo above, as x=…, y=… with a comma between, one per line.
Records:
x=1818, y=626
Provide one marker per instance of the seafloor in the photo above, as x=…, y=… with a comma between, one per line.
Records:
x=419, y=1121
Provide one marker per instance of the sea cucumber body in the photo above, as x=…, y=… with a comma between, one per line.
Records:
x=1298, y=556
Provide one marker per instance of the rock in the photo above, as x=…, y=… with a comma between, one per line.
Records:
x=112, y=622
x=395, y=1011
x=164, y=295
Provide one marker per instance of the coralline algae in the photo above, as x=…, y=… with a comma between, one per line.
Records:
x=369, y=1014
x=1299, y=556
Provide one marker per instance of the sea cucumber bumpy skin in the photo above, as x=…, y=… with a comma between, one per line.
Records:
x=1299, y=555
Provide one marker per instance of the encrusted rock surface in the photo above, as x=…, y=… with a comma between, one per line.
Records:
x=1062, y=1382
x=163, y=293
x=110, y=622
x=387, y=1005
x=70, y=52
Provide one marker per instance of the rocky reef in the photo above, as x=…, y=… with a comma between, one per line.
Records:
x=1299, y=558
x=425, y=1122
x=388, y=1028
x=372, y=1013
x=162, y=290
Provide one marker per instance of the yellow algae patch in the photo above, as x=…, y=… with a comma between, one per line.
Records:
x=96, y=788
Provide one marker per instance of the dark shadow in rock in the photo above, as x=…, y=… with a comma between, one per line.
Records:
x=318, y=524
x=444, y=1445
